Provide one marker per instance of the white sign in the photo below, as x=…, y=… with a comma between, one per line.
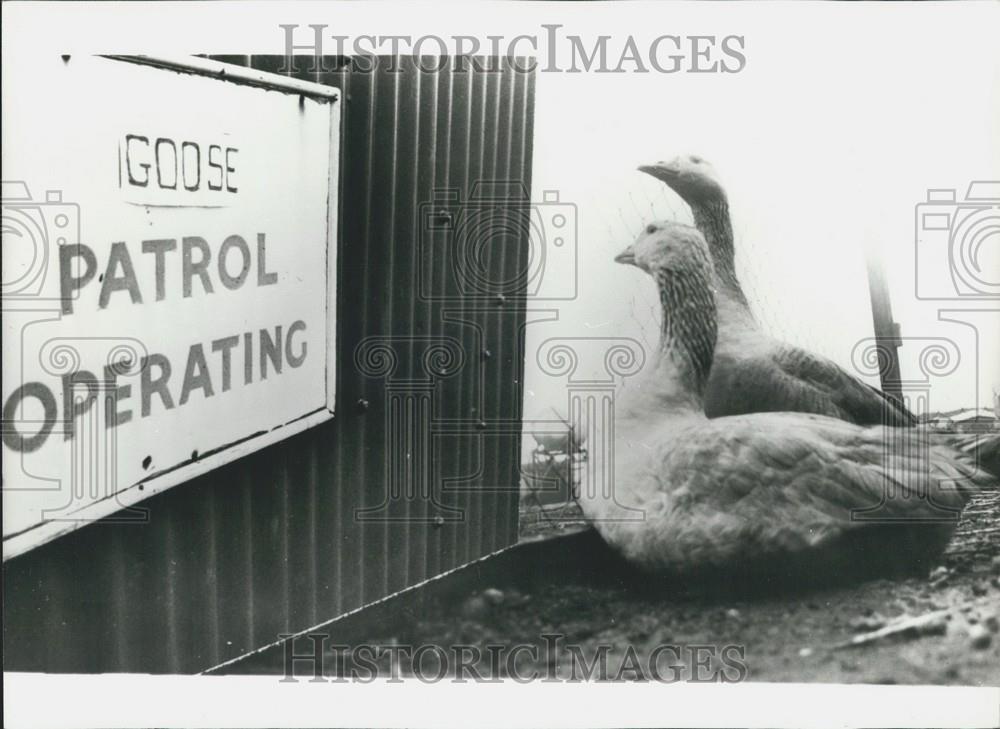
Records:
x=169, y=258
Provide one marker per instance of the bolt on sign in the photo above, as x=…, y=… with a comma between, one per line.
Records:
x=169, y=243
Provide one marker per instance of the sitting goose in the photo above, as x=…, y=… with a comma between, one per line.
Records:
x=752, y=371
x=785, y=490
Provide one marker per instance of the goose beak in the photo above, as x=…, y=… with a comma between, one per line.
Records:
x=626, y=256
x=662, y=171
x=659, y=170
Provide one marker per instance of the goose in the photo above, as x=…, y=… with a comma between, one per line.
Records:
x=754, y=372
x=780, y=490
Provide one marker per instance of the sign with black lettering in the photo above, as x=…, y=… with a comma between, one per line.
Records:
x=169, y=249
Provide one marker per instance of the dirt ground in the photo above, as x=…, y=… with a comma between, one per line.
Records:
x=793, y=636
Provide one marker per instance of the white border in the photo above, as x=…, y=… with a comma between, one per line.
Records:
x=46, y=531
x=123, y=700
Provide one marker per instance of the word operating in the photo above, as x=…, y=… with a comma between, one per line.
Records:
x=154, y=385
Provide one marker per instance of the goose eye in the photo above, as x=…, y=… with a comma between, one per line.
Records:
x=650, y=229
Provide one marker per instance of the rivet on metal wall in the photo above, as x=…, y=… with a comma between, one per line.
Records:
x=481, y=425
x=501, y=299
x=443, y=219
x=487, y=354
x=362, y=405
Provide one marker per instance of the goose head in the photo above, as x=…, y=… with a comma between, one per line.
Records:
x=665, y=246
x=690, y=176
x=676, y=257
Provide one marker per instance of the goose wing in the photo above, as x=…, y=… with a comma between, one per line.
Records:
x=784, y=378
x=861, y=403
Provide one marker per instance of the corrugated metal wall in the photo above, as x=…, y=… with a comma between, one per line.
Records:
x=428, y=392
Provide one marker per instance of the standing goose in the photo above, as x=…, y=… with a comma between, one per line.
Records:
x=783, y=490
x=754, y=372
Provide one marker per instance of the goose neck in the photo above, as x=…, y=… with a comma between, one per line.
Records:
x=712, y=218
x=687, y=334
